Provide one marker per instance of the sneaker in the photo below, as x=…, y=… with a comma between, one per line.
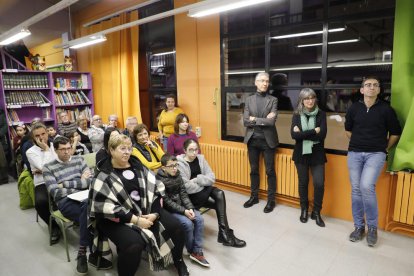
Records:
x=199, y=258
x=103, y=264
x=55, y=236
x=357, y=235
x=372, y=236
x=82, y=266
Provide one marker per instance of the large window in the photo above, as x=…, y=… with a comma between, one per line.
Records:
x=157, y=62
x=323, y=44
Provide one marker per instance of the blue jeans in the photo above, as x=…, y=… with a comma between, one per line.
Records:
x=193, y=231
x=364, y=169
x=77, y=211
x=164, y=142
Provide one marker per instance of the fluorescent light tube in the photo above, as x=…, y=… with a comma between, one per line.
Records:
x=244, y=72
x=331, y=42
x=23, y=33
x=213, y=7
x=88, y=41
x=308, y=33
x=163, y=54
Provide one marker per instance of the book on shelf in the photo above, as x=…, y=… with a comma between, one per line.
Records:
x=62, y=83
x=21, y=98
x=12, y=117
x=71, y=97
x=74, y=113
x=17, y=81
x=46, y=113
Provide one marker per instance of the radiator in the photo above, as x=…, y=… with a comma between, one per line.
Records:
x=231, y=165
x=404, y=198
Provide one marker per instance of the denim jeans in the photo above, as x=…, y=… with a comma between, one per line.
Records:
x=193, y=231
x=164, y=142
x=77, y=211
x=255, y=147
x=364, y=169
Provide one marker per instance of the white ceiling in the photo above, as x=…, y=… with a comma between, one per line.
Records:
x=14, y=12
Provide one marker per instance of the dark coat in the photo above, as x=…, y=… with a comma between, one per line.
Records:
x=176, y=199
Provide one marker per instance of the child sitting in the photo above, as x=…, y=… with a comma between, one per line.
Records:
x=77, y=147
x=21, y=131
x=176, y=201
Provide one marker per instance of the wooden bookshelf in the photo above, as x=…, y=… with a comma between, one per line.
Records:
x=25, y=95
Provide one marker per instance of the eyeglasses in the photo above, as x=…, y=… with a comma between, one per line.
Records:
x=192, y=150
x=376, y=85
x=309, y=99
x=172, y=166
x=65, y=149
x=98, y=119
x=263, y=81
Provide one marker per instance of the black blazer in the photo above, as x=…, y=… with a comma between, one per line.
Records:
x=318, y=155
x=268, y=125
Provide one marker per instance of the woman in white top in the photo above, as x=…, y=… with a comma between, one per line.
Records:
x=38, y=155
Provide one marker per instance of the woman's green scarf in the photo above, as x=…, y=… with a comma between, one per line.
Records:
x=308, y=124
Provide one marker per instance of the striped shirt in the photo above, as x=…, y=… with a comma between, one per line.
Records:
x=66, y=173
x=64, y=129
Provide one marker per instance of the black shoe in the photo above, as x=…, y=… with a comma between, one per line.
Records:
x=82, y=266
x=269, y=206
x=372, y=236
x=227, y=238
x=181, y=268
x=318, y=219
x=55, y=236
x=357, y=234
x=103, y=263
x=304, y=215
x=252, y=201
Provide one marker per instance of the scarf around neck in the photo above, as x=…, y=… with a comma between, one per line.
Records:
x=308, y=124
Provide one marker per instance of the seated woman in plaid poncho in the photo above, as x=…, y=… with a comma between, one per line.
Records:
x=124, y=203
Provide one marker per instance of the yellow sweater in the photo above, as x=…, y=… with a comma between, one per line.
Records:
x=153, y=164
x=167, y=120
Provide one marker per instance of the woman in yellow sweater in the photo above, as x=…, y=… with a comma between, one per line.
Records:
x=147, y=151
x=167, y=119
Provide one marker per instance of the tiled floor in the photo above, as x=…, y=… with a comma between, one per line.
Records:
x=277, y=244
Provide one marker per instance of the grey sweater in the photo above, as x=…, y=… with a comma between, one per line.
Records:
x=195, y=185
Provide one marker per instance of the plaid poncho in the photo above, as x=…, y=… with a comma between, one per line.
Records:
x=107, y=197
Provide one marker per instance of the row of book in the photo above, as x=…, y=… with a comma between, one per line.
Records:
x=82, y=82
x=74, y=114
x=70, y=98
x=22, y=98
x=13, y=117
x=14, y=81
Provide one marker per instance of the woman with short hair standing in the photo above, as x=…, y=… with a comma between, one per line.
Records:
x=309, y=131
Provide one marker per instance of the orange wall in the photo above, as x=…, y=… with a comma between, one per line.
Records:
x=53, y=56
x=198, y=81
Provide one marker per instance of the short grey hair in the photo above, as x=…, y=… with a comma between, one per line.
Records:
x=261, y=74
x=129, y=119
x=303, y=94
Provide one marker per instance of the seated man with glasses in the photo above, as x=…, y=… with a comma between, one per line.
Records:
x=96, y=133
x=66, y=175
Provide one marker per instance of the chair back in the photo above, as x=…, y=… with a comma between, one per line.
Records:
x=90, y=159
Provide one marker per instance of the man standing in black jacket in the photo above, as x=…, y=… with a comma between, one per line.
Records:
x=4, y=147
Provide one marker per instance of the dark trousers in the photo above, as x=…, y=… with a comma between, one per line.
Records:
x=130, y=244
x=4, y=176
x=217, y=201
x=42, y=202
x=255, y=147
x=318, y=176
x=77, y=211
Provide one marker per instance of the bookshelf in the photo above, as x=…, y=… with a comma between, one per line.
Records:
x=28, y=94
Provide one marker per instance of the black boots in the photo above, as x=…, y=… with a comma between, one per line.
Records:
x=304, y=215
x=318, y=219
x=227, y=238
x=252, y=200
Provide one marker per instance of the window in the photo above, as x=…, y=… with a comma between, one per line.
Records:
x=327, y=45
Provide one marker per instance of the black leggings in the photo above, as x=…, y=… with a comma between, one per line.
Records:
x=42, y=202
x=318, y=176
x=130, y=244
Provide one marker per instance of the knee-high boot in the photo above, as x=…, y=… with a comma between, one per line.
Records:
x=225, y=234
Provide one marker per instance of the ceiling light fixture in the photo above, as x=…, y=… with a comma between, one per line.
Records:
x=18, y=30
x=217, y=6
x=331, y=42
x=86, y=41
x=22, y=34
x=308, y=33
x=163, y=54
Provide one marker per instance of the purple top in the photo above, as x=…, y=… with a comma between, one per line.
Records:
x=176, y=143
